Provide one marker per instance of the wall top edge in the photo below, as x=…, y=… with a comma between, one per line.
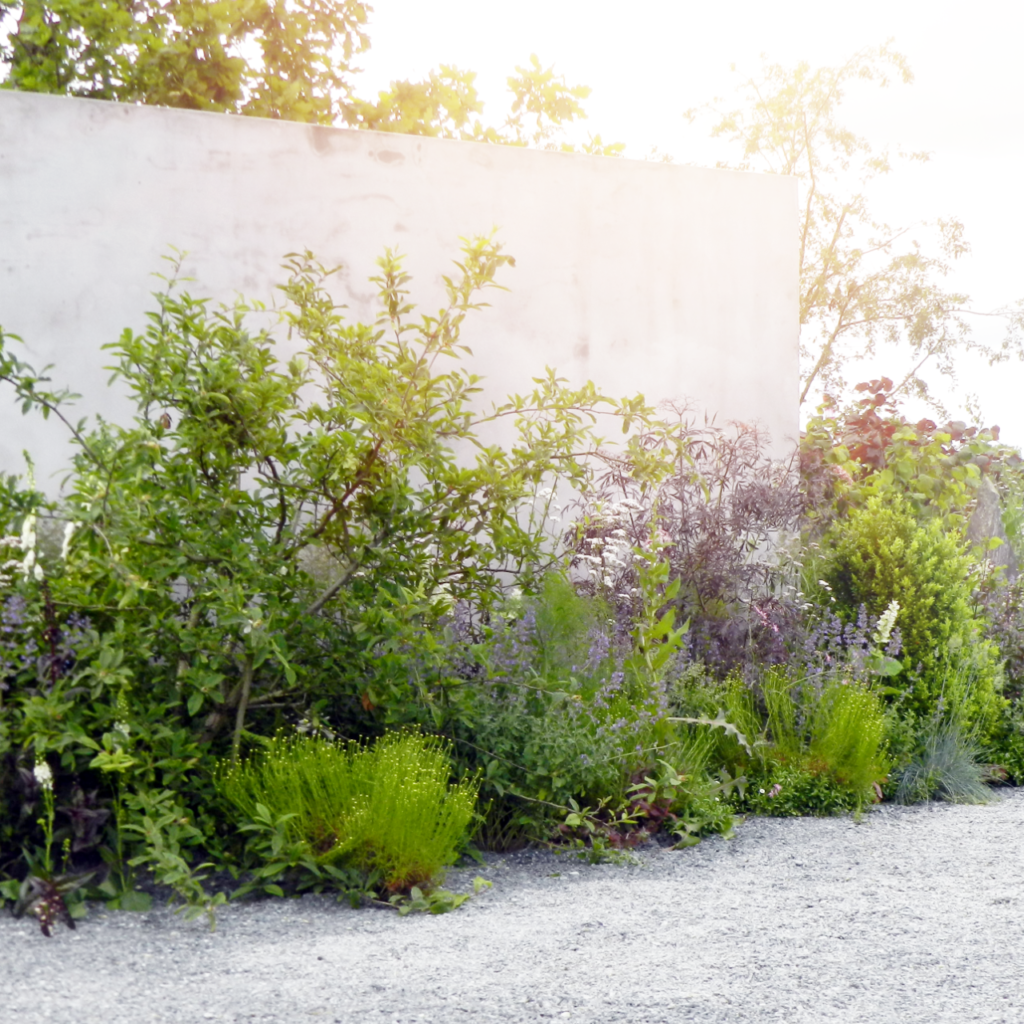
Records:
x=396, y=140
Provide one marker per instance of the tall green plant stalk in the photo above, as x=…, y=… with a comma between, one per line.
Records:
x=44, y=778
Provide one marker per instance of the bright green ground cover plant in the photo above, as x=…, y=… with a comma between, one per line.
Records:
x=389, y=810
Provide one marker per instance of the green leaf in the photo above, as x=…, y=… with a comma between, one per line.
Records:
x=886, y=666
x=135, y=901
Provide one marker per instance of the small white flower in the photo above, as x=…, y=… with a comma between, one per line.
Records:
x=760, y=791
x=123, y=728
x=43, y=774
x=37, y=572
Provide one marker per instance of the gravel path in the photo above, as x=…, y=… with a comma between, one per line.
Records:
x=914, y=916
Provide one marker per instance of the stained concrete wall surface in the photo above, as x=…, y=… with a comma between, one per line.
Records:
x=677, y=282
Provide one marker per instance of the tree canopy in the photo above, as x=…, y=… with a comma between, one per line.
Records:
x=266, y=58
x=862, y=282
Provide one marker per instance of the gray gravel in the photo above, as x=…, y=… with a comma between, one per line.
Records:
x=913, y=915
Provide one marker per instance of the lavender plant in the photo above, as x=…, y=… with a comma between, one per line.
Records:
x=563, y=708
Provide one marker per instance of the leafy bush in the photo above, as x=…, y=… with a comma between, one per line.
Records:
x=265, y=544
x=881, y=553
x=1005, y=749
x=389, y=809
x=871, y=449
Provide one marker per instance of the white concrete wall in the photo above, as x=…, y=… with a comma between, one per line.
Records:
x=677, y=282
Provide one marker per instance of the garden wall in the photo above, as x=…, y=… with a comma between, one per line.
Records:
x=678, y=282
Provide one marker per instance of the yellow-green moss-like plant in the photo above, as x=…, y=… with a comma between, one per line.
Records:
x=388, y=809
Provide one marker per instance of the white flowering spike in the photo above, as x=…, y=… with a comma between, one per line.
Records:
x=43, y=774
x=69, y=532
x=886, y=623
x=27, y=543
x=27, y=540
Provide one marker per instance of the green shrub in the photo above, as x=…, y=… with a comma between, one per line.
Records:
x=389, y=809
x=881, y=553
x=1005, y=749
x=266, y=542
x=807, y=786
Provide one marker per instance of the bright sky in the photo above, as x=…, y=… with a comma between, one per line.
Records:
x=649, y=60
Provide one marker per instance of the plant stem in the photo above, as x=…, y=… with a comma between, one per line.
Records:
x=243, y=704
